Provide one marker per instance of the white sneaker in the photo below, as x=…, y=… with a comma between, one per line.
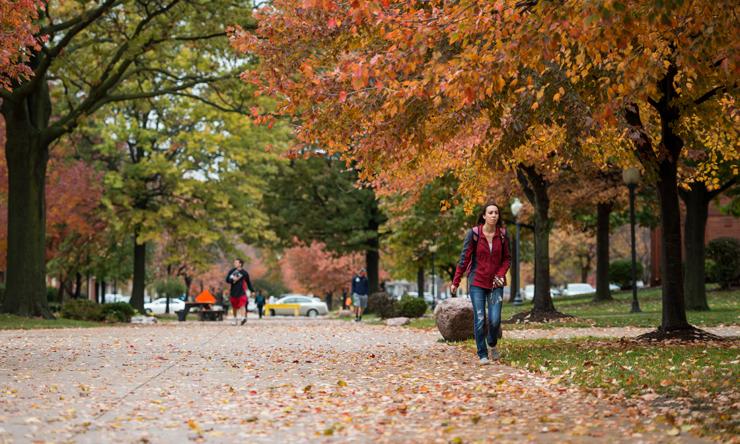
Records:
x=495, y=355
x=484, y=361
x=235, y=321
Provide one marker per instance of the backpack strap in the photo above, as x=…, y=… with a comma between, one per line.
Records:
x=476, y=234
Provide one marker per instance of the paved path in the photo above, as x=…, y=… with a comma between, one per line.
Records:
x=285, y=381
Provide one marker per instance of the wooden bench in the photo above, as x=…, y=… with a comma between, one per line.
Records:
x=295, y=307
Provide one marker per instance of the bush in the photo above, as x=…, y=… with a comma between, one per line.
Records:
x=82, y=310
x=118, y=312
x=620, y=272
x=52, y=294
x=725, y=252
x=55, y=307
x=382, y=305
x=411, y=307
x=710, y=271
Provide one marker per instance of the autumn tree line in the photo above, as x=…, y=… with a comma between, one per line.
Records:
x=397, y=120
x=515, y=96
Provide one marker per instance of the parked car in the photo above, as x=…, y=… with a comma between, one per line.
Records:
x=158, y=306
x=528, y=292
x=578, y=289
x=309, y=306
x=614, y=287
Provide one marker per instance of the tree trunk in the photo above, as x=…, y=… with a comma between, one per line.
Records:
x=535, y=187
x=603, y=210
x=372, y=263
x=189, y=283
x=137, y=293
x=103, y=289
x=60, y=292
x=27, y=155
x=671, y=265
x=665, y=166
x=78, y=285
x=585, y=268
x=372, y=258
x=420, y=281
x=697, y=200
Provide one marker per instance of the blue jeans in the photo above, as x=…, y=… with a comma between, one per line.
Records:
x=494, y=299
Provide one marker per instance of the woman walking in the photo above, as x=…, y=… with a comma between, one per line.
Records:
x=486, y=259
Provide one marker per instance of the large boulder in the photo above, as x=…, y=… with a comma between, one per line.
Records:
x=454, y=319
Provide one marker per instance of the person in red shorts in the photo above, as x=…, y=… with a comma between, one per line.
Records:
x=240, y=282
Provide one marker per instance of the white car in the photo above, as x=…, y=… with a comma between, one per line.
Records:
x=578, y=289
x=309, y=306
x=614, y=287
x=158, y=306
x=528, y=293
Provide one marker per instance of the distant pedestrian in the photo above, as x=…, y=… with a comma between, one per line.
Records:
x=240, y=282
x=260, y=301
x=345, y=299
x=360, y=290
x=485, y=258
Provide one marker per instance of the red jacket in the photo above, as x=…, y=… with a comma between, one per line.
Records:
x=483, y=263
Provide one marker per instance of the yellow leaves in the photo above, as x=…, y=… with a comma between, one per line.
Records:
x=558, y=95
x=534, y=106
x=195, y=427
x=341, y=383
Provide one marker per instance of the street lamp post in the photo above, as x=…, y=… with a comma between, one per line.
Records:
x=631, y=177
x=516, y=206
x=433, y=250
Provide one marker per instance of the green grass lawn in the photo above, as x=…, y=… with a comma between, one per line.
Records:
x=725, y=310
x=704, y=376
x=11, y=322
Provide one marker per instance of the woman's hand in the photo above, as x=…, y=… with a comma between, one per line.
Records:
x=498, y=282
x=453, y=289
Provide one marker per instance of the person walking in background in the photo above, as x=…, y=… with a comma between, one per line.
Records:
x=345, y=299
x=240, y=282
x=260, y=301
x=485, y=258
x=360, y=290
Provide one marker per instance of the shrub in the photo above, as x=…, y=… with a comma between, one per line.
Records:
x=725, y=252
x=710, y=271
x=620, y=272
x=118, y=312
x=411, y=307
x=82, y=310
x=382, y=305
x=55, y=307
x=52, y=294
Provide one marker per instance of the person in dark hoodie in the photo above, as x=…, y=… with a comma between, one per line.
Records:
x=240, y=282
x=485, y=258
x=360, y=290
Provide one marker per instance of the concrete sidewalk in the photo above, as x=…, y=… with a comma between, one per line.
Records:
x=285, y=380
